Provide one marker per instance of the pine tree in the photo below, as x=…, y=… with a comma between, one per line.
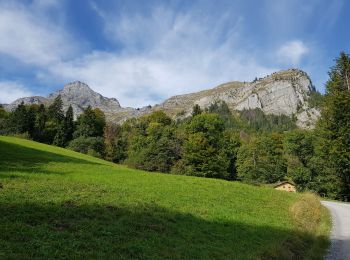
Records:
x=334, y=124
x=56, y=110
x=65, y=129
x=18, y=119
x=60, y=136
x=69, y=124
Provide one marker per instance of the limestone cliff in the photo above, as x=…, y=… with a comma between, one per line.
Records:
x=285, y=92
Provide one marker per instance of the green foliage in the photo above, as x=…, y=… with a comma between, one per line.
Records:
x=153, y=145
x=65, y=129
x=3, y=121
x=299, y=148
x=204, y=153
x=41, y=132
x=90, y=123
x=55, y=110
x=231, y=145
x=260, y=160
x=222, y=109
x=19, y=120
x=69, y=124
x=196, y=110
x=334, y=125
x=257, y=121
x=315, y=100
x=89, y=145
x=115, y=143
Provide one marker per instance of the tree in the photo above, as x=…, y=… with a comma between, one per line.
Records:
x=4, y=121
x=69, y=124
x=19, y=122
x=115, y=143
x=334, y=125
x=55, y=110
x=231, y=146
x=204, y=153
x=196, y=110
x=90, y=123
x=260, y=160
x=153, y=144
x=299, y=149
x=65, y=129
x=41, y=117
x=89, y=145
x=60, y=136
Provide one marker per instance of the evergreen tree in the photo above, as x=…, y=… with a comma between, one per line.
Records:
x=56, y=110
x=60, y=136
x=69, y=124
x=65, y=129
x=334, y=125
x=19, y=120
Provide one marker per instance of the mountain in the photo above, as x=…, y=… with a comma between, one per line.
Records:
x=80, y=96
x=285, y=92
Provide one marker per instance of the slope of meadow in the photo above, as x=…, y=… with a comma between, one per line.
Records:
x=55, y=203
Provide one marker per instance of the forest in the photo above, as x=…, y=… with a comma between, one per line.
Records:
x=215, y=142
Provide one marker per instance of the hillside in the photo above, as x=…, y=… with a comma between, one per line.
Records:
x=281, y=93
x=56, y=203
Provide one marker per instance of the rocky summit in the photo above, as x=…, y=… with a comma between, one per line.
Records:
x=285, y=92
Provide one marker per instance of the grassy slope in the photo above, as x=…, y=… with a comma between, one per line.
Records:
x=58, y=203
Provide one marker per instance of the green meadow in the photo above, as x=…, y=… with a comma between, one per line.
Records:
x=56, y=203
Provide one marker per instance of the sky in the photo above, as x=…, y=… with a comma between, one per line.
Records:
x=142, y=52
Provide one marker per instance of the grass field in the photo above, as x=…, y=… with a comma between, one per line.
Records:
x=55, y=203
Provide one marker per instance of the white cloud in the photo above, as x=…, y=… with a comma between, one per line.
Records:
x=162, y=54
x=292, y=52
x=10, y=91
x=165, y=54
x=29, y=37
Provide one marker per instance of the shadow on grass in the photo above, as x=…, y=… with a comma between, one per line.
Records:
x=69, y=230
x=14, y=157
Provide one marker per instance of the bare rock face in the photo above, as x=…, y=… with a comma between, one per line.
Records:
x=80, y=96
x=281, y=93
x=27, y=101
x=76, y=94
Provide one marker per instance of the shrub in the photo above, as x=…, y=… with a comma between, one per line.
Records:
x=307, y=212
x=88, y=145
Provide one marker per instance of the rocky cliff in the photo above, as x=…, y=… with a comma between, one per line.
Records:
x=285, y=92
x=80, y=96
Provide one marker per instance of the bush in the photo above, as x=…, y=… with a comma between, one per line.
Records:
x=88, y=145
x=307, y=212
x=22, y=136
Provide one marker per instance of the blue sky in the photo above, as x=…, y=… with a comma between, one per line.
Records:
x=142, y=52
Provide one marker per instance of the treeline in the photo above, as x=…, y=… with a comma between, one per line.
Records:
x=247, y=146
x=51, y=125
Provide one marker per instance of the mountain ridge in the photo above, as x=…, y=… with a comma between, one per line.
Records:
x=285, y=92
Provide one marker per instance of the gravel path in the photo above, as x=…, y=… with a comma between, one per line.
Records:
x=340, y=236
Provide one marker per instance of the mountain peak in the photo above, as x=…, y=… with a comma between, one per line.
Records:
x=76, y=84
